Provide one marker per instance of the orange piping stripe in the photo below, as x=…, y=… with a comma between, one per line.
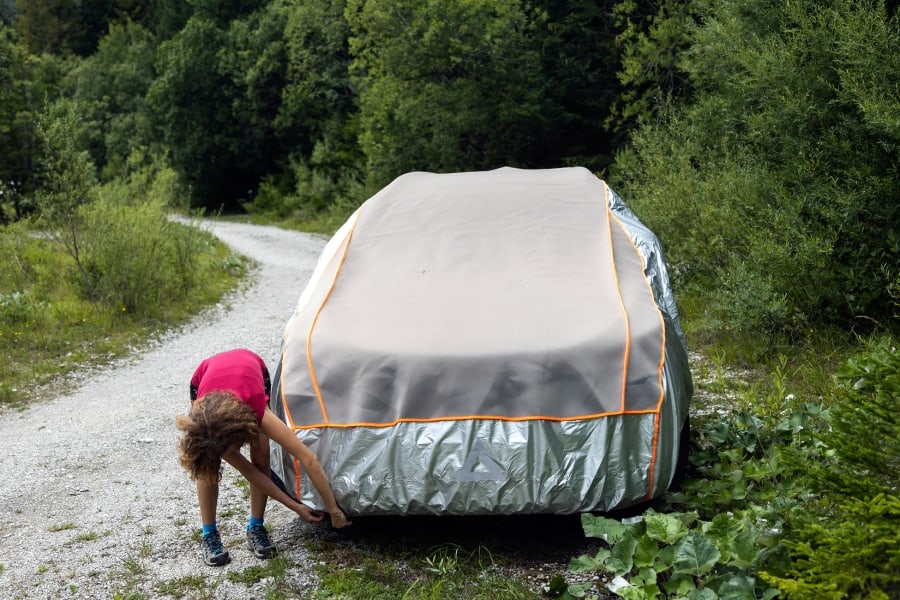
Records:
x=662, y=360
x=482, y=418
x=659, y=404
x=312, y=370
x=612, y=252
x=652, y=477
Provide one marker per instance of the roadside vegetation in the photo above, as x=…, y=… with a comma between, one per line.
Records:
x=97, y=270
x=760, y=140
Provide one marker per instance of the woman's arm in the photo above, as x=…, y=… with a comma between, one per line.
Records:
x=275, y=428
x=263, y=482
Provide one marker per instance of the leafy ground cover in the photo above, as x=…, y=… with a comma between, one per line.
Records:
x=788, y=494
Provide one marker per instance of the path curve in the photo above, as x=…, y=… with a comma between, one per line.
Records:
x=93, y=501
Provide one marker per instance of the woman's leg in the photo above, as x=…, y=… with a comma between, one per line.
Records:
x=257, y=537
x=214, y=553
x=259, y=456
x=208, y=497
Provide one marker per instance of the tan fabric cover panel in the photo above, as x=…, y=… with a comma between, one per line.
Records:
x=477, y=295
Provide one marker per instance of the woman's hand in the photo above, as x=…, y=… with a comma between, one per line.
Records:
x=307, y=514
x=339, y=519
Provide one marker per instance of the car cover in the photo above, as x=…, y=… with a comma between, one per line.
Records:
x=492, y=342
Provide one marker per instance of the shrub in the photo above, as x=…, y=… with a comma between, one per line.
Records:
x=129, y=255
x=848, y=548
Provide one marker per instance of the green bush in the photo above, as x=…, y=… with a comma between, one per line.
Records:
x=849, y=546
x=775, y=187
x=130, y=255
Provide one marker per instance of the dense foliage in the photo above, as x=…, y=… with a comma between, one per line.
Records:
x=758, y=139
x=778, y=180
x=786, y=495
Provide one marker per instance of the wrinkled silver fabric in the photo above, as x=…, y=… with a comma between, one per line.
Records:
x=650, y=248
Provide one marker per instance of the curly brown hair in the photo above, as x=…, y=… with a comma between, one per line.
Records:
x=217, y=422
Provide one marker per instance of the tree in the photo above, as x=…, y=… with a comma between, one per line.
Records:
x=653, y=37
x=316, y=122
x=215, y=100
x=110, y=87
x=225, y=11
x=445, y=86
x=26, y=83
x=16, y=130
x=47, y=25
x=777, y=184
x=318, y=98
x=579, y=57
x=168, y=17
x=7, y=12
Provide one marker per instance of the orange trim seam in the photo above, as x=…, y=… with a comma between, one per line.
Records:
x=662, y=354
x=477, y=418
x=312, y=326
x=612, y=254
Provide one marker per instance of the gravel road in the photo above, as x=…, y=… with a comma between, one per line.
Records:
x=93, y=502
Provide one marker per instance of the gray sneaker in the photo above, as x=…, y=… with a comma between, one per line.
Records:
x=214, y=553
x=259, y=543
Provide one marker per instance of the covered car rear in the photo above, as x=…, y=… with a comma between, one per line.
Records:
x=499, y=342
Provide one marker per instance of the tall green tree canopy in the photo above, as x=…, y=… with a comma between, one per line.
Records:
x=215, y=102
x=26, y=83
x=445, y=86
x=778, y=183
x=110, y=87
x=16, y=132
x=577, y=44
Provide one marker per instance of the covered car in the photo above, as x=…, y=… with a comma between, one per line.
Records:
x=498, y=342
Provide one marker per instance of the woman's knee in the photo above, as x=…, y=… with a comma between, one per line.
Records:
x=259, y=452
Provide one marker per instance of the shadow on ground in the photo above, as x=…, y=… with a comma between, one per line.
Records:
x=530, y=538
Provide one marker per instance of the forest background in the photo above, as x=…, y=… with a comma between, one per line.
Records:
x=758, y=138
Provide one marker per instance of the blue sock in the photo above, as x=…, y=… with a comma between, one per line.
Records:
x=254, y=522
x=209, y=528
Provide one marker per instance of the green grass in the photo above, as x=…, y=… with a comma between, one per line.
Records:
x=194, y=586
x=47, y=330
x=88, y=536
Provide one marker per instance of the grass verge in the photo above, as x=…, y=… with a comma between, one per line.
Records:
x=48, y=329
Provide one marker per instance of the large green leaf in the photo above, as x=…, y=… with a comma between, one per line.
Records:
x=587, y=564
x=704, y=594
x=665, y=528
x=695, y=555
x=734, y=586
x=621, y=557
x=646, y=551
x=744, y=550
x=608, y=530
